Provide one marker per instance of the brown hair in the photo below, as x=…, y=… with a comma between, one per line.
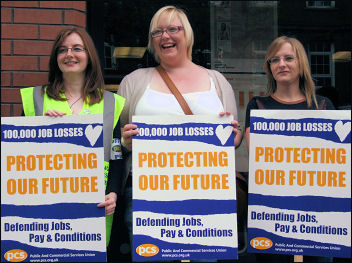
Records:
x=306, y=83
x=93, y=89
x=172, y=11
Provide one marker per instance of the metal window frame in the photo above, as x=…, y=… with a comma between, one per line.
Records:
x=320, y=4
x=330, y=53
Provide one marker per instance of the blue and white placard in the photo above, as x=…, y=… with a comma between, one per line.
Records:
x=184, y=188
x=300, y=183
x=52, y=178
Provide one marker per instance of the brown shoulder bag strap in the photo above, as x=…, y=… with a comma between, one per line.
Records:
x=259, y=104
x=174, y=90
x=322, y=105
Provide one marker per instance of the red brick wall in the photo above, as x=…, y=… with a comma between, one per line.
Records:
x=28, y=29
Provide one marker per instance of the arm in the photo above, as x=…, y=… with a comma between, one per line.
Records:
x=109, y=203
x=126, y=128
x=128, y=131
x=132, y=87
x=236, y=130
x=238, y=133
x=226, y=94
x=228, y=99
x=54, y=113
x=329, y=104
x=125, y=91
x=114, y=178
x=252, y=104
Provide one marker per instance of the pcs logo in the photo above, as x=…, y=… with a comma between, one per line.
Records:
x=147, y=250
x=261, y=243
x=15, y=255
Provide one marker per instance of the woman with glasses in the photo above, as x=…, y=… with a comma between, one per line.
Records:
x=290, y=85
x=205, y=91
x=76, y=86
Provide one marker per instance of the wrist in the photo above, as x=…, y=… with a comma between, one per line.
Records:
x=123, y=143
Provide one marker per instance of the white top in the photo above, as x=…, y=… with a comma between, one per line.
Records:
x=155, y=102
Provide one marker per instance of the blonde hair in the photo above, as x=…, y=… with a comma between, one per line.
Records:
x=306, y=83
x=171, y=11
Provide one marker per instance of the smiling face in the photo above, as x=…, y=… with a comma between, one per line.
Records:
x=285, y=72
x=170, y=48
x=72, y=62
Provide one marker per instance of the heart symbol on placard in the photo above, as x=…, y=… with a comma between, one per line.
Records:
x=342, y=130
x=93, y=134
x=223, y=133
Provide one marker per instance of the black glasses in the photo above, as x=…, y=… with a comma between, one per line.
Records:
x=170, y=30
x=276, y=60
x=64, y=50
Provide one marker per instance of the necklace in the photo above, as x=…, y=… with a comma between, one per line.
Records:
x=75, y=102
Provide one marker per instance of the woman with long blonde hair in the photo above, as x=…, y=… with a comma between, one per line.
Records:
x=290, y=85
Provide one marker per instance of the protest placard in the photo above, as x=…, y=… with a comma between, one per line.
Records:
x=52, y=178
x=300, y=183
x=184, y=188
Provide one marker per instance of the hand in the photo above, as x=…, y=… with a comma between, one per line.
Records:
x=110, y=203
x=128, y=131
x=236, y=129
x=54, y=113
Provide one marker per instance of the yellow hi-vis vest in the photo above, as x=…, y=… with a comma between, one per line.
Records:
x=36, y=104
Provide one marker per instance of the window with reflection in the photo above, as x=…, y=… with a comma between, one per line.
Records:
x=126, y=28
x=232, y=37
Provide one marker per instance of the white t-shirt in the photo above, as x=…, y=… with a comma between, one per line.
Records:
x=158, y=103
